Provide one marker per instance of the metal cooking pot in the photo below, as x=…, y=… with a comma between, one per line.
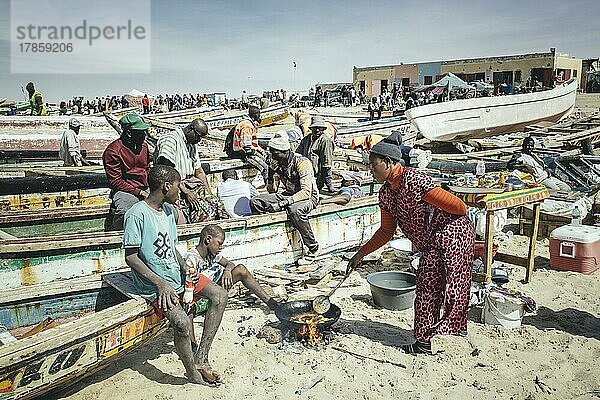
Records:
x=285, y=311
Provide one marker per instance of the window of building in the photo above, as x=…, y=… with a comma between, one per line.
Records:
x=517, y=76
x=384, y=84
x=361, y=86
x=574, y=73
x=428, y=80
x=405, y=82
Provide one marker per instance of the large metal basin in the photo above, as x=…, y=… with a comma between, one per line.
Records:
x=394, y=290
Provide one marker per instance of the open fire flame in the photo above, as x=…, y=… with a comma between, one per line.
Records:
x=310, y=332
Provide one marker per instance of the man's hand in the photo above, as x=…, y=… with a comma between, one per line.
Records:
x=354, y=262
x=227, y=279
x=144, y=194
x=193, y=199
x=167, y=297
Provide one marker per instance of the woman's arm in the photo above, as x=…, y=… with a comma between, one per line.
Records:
x=448, y=202
x=383, y=234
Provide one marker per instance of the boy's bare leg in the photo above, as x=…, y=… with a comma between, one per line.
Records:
x=181, y=329
x=241, y=274
x=212, y=319
x=192, y=333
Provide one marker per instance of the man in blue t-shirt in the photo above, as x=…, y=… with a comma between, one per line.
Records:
x=158, y=270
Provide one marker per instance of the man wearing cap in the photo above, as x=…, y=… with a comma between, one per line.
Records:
x=300, y=195
x=177, y=148
x=242, y=142
x=70, y=151
x=126, y=162
x=304, y=120
x=318, y=148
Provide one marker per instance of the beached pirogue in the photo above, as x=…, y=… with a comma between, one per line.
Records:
x=28, y=134
x=461, y=120
x=71, y=309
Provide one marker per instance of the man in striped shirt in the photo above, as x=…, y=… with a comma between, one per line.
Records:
x=177, y=148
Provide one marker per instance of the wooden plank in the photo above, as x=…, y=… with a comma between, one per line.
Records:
x=274, y=273
x=511, y=259
x=320, y=273
x=123, y=282
x=532, y=242
x=489, y=243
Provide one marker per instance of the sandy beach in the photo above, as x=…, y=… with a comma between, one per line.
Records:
x=553, y=355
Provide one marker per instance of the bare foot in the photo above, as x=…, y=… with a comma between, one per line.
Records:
x=195, y=377
x=209, y=374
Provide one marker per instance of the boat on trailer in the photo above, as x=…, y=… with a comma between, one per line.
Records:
x=476, y=118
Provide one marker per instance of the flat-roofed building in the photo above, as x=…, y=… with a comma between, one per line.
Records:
x=547, y=68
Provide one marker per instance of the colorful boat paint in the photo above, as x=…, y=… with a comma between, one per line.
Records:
x=255, y=241
x=114, y=321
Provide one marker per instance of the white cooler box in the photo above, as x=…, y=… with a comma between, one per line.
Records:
x=575, y=248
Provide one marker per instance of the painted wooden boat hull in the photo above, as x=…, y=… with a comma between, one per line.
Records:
x=269, y=116
x=44, y=133
x=76, y=216
x=255, y=241
x=460, y=120
x=59, y=356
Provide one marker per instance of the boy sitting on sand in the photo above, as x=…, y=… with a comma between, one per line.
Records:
x=158, y=271
x=205, y=258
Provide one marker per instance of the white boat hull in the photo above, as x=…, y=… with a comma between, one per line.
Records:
x=481, y=117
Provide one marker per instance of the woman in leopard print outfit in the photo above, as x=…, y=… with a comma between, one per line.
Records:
x=435, y=222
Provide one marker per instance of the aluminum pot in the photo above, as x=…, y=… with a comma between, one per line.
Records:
x=394, y=290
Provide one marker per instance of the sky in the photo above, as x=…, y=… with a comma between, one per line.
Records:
x=230, y=46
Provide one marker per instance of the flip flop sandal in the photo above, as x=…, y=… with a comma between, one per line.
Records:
x=417, y=348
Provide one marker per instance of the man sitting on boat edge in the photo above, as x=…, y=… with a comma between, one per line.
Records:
x=126, y=162
x=177, y=148
x=300, y=195
x=158, y=270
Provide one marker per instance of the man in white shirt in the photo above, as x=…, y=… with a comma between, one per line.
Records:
x=235, y=194
x=70, y=151
x=528, y=162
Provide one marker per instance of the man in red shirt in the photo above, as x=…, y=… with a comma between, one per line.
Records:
x=126, y=162
x=146, y=104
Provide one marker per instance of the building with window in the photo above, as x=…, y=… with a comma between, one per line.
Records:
x=546, y=68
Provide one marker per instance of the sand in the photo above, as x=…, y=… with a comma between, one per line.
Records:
x=553, y=355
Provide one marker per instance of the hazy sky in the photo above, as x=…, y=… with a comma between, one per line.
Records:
x=200, y=46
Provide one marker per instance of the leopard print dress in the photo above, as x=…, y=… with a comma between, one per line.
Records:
x=446, y=242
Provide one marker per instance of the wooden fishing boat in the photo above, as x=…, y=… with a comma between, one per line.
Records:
x=191, y=113
x=256, y=241
x=60, y=332
x=44, y=181
x=461, y=120
x=269, y=116
x=33, y=133
x=33, y=216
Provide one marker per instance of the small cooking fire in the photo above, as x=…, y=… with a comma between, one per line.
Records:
x=311, y=333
